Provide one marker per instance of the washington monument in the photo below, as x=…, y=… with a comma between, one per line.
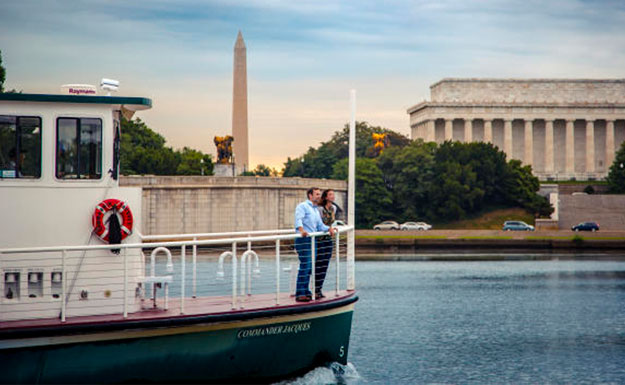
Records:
x=239, y=106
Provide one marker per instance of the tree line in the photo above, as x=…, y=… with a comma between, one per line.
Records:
x=415, y=180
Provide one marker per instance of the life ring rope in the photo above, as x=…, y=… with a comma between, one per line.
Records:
x=119, y=208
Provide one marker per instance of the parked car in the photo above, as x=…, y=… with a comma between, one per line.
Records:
x=586, y=226
x=415, y=226
x=517, y=226
x=387, y=225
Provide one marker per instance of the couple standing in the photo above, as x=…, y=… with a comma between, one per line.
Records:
x=313, y=215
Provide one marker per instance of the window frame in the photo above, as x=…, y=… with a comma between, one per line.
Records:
x=18, y=143
x=78, y=148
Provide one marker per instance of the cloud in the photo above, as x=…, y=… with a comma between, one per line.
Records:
x=303, y=57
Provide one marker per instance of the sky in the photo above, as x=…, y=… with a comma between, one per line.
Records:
x=303, y=57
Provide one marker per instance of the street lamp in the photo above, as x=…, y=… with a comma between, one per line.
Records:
x=202, y=166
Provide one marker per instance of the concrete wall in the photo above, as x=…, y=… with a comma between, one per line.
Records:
x=202, y=204
x=559, y=91
x=568, y=189
x=607, y=210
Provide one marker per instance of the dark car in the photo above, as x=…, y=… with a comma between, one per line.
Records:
x=517, y=226
x=586, y=226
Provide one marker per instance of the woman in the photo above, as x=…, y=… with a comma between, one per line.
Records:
x=327, y=210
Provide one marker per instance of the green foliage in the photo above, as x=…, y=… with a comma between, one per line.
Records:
x=373, y=199
x=261, y=170
x=408, y=172
x=143, y=151
x=319, y=162
x=616, y=176
x=193, y=162
x=3, y=74
x=589, y=189
x=578, y=240
x=414, y=180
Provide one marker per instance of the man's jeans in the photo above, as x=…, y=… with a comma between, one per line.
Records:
x=302, y=246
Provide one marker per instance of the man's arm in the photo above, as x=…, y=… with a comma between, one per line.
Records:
x=299, y=217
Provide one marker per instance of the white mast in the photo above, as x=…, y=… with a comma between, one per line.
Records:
x=351, y=194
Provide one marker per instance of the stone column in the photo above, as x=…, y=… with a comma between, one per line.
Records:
x=549, y=146
x=468, y=130
x=449, y=133
x=590, y=146
x=609, y=143
x=529, y=142
x=488, y=131
x=430, y=133
x=507, y=138
x=569, y=148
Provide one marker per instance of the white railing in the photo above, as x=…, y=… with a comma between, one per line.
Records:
x=270, y=247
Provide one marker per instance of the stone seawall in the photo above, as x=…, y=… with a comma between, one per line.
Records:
x=203, y=204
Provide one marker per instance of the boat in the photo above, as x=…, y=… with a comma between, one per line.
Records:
x=88, y=298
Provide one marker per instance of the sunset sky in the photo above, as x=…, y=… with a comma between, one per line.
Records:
x=303, y=57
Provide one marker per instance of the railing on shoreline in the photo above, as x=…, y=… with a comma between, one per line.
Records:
x=244, y=250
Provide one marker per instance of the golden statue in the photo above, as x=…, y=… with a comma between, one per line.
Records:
x=380, y=142
x=224, y=149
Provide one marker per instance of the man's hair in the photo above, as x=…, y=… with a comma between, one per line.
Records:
x=311, y=190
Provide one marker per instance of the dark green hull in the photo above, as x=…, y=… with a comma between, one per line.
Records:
x=251, y=350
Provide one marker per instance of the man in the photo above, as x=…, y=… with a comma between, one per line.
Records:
x=307, y=220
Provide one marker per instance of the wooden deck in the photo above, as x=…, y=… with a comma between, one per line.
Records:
x=200, y=306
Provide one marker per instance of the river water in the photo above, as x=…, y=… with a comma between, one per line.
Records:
x=517, y=322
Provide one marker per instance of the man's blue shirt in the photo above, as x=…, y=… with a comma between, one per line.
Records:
x=307, y=216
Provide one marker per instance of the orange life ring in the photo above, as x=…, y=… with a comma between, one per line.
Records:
x=121, y=208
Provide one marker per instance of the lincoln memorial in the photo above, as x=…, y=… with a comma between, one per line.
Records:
x=564, y=128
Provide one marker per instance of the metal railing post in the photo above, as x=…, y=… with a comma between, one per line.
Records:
x=63, y=286
x=194, y=267
x=125, y=252
x=249, y=274
x=277, y=272
x=183, y=276
x=338, y=259
x=351, y=261
x=313, y=251
x=243, y=263
x=234, y=275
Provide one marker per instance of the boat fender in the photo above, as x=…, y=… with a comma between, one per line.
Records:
x=116, y=231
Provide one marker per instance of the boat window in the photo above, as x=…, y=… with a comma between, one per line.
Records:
x=79, y=148
x=20, y=147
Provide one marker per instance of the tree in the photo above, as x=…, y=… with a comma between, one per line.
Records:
x=3, y=74
x=319, y=162
x=521, y=188
x=408, y=173
x=193, y=162
x=143, y=151
x=373, y=200
x=261, y=170
x=616, y=175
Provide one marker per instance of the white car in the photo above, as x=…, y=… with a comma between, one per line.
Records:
x=415, y=226
x=387, y=225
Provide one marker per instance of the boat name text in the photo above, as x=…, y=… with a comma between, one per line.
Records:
x=274, y=330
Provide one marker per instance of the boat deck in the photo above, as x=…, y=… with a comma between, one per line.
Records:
x=193, y=307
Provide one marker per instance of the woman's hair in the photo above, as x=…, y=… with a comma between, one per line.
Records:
x=324, y=197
